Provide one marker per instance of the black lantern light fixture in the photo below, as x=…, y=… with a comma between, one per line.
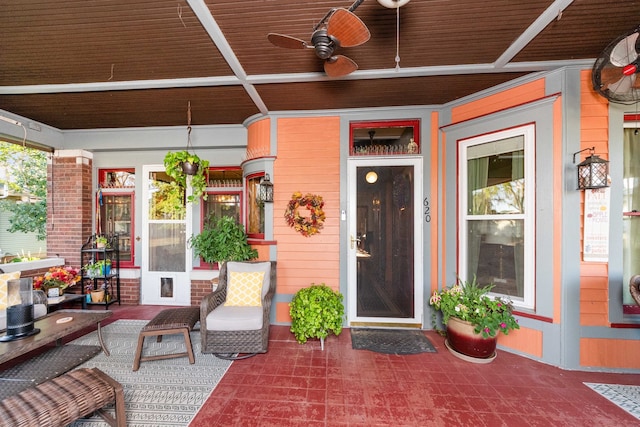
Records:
x=593, y=172
x=266, y=189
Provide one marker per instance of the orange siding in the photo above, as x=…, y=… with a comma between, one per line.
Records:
x=525, y=340
x=500, y=101
x=259, y=139
x=558, y=167
x=282, y=312
x=308, y=161
x=594, y=277
x=610, y=353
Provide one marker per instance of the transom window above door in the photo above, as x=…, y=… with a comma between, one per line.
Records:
x=384, y=138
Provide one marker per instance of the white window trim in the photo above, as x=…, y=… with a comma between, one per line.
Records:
x=528, y=132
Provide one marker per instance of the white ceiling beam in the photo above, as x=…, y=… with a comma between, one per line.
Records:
x=517, y=67
x=553, y=12
x=212, y=28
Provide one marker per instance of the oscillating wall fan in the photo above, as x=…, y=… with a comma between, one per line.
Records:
x=339, y=28
x=615, y=71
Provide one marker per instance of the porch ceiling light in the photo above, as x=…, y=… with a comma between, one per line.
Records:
x=393, y=4
x=593, y=172
x=371, y=177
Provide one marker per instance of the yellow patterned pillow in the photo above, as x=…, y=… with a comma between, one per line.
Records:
x=245, y=289
x=3, y=287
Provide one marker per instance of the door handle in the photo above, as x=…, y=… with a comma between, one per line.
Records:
x=353, y=240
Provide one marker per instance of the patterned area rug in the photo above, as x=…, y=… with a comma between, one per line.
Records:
x=391, y=341
x=162, y=392
x=626, y=397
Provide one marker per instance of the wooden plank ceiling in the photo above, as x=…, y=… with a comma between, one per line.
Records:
x=74, y=64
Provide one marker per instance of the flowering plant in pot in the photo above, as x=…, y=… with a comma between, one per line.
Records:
x=485, y=316
x=57, y=277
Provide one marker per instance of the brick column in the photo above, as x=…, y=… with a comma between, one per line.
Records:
x=69, y=204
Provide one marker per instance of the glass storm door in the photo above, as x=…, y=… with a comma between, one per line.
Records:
x=165, y=259
x=385, y=242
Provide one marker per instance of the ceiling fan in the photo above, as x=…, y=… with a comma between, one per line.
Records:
x=339, y=28
x=615, y=71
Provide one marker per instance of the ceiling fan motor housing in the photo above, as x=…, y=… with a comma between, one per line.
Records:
x=323, y=44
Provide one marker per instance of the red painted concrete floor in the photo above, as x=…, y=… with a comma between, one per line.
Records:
x=300, y=385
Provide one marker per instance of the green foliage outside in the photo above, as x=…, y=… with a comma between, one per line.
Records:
x=26, y=175
x=315, y=312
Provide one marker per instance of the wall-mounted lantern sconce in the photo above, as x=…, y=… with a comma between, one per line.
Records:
x=593, y=172
x=266, y=189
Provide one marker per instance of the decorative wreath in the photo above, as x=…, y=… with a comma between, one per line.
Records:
x=305, y=226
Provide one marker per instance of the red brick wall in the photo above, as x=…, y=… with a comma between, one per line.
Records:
x=200, y=288
x=69, y=205
x=130, y=291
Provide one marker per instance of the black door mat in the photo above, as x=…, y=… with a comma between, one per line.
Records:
x=391, y=341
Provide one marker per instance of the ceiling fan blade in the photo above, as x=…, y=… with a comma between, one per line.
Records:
x=347, y=28
x=287, y=42
x=624, y=53
x=339, y=65
x=623, y=85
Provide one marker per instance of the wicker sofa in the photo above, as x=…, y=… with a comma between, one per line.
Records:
x=242, y=331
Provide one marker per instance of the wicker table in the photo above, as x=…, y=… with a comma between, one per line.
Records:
x=53, y=332
x=167, y=322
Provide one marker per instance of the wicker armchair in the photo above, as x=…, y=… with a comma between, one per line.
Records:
x=634, y=288
x=221, y=337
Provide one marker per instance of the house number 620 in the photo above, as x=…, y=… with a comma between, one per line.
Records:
x=427, y=210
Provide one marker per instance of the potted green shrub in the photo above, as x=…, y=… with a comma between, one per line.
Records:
x=101, y=242
x=473, y=318
x=316, y=311
x=179, y=164
x=222, y=239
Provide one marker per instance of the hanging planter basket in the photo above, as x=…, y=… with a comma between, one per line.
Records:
x=190, y=168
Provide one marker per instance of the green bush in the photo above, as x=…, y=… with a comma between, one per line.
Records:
x=222, y=239
x=315, y=312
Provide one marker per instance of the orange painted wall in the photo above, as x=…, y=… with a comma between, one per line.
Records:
x=259, y=139
x=594, y=277
x=610, y=353
x=500, y=101
x=308, y=161
x=525, y=340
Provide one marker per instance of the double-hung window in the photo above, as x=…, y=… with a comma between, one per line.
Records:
x=496, y=220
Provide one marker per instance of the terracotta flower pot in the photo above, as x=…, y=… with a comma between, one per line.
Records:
x=97, y=296
x=462, y=338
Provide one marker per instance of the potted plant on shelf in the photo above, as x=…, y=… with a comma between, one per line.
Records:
x=101, y=242
x=222, y=239
x=103, y=267
x=180, y=164
x=473, y=319
x=316, y=311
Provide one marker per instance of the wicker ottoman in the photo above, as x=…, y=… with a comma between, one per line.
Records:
x=64, y=399
x=167, y=322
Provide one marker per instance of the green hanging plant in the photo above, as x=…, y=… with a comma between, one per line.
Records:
x=174, y=164
x=316, y=312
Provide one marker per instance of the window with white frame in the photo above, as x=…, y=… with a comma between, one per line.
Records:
x=630, y=206
x=497, y=216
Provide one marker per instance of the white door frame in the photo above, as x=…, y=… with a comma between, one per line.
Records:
x=149, y=280
x=352, y=279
